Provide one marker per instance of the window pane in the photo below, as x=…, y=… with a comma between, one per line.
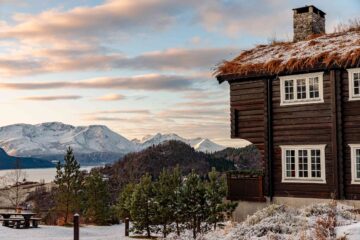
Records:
x=357, y=163
x=303, y=163
x=357, y=84
x=315, y=164
x=314, y=87
x=301, y=88
x=290, y=163
x=289, y=89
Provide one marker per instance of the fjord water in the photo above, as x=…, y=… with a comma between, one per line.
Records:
x=41, y=174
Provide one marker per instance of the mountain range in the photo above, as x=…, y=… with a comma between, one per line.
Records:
x=93, y=145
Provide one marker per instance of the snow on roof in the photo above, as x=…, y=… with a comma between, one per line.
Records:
x=324, y=51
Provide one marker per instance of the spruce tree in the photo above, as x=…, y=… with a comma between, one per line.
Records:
x=123, y=206
x=194, y=201
x=215, y=194
x=97, y=199
x=68, y=180
x=167, y=189
x=177, y=211
x=143, y=208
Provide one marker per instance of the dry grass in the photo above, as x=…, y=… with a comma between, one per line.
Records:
x=276, y=66
x=245, y=65
x=325, y=226
x=352, y=25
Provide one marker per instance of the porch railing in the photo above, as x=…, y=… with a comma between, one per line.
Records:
x=247, y=187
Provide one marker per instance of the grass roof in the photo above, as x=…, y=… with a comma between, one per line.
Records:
x=319, y=51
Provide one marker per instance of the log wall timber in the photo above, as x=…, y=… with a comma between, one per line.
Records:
x=351, y=135
x=335, y=123
x=303, y=125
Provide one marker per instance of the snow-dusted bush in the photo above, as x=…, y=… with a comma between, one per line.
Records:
x=280, y=222
x=277, y=219
x=264, y=213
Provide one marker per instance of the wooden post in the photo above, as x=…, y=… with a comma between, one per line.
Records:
x=126, y=227
x=76, y=227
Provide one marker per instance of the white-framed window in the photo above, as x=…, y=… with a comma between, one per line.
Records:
x=354, y=84
x=303, y=163
x=355, y=163
x=301, y=89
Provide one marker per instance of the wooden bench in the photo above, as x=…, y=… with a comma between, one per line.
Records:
x=20, y=222
x=35, y=221
x=13, y=222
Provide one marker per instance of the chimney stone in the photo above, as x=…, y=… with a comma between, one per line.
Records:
x=308, y=20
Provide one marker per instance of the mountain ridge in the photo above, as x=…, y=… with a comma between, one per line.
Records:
x=95, y=142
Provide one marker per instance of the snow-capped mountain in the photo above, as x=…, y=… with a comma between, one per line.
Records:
x=92, y=144
x=52, y=138
x=199, y=144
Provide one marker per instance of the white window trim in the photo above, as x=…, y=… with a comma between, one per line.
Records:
x=351, y=72
x=285, y=179
x=353, y=148
x=284, y=102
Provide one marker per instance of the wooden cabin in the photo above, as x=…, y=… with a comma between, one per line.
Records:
x=299, y=103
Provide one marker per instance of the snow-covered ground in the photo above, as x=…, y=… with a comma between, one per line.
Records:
x=115, y=232
x=285, y=223
x=274, y=222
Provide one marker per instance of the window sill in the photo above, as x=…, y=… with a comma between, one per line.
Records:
x=303, y=102
x=297, y=180
x=351, y=98
x=355, y=182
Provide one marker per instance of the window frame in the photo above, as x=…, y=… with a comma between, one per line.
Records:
x=307, y=100
x=309, y=179
x=353, y=148
x=351, y=72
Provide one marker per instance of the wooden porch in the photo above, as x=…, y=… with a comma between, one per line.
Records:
x=246, y=186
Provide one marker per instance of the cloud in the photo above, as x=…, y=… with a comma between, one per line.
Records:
x=200, y=103
x=132, y=111
x=52, y=98
x=210, y=114
x=84, y=58
x=150, y=82
x=111, y=17
x=111, y=97
x=178, y=59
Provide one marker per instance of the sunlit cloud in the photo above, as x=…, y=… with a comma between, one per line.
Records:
x=111, y=97
x=151, y=82
x=132, y=111
x=52, y=98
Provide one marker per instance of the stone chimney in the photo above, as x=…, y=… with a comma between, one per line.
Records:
x=308, y=20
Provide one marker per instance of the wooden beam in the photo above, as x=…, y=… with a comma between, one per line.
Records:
x=336, y=133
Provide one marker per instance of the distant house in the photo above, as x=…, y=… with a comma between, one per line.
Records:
x=299, y=103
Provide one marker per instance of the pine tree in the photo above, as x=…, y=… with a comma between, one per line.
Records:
x=194, y=201
x=215, y=194
x=167, y=189
x=143, y=208
x=123, y=206
x=177, y=211
x=68, y=179
x=97, y=199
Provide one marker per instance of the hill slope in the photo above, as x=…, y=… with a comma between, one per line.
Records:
x=153, y=159
x=9, y=162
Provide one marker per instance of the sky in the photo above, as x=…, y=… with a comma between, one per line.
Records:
x=138, y=66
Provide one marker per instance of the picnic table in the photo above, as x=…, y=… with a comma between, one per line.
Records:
x=26, y=218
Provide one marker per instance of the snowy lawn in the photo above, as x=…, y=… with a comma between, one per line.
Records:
x=284, y=223
x=115, y=232
x=274, y=222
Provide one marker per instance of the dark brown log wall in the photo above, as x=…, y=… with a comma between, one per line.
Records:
x=303, y=124
x=351, y=135
x=336, y=123
x=248, y=111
